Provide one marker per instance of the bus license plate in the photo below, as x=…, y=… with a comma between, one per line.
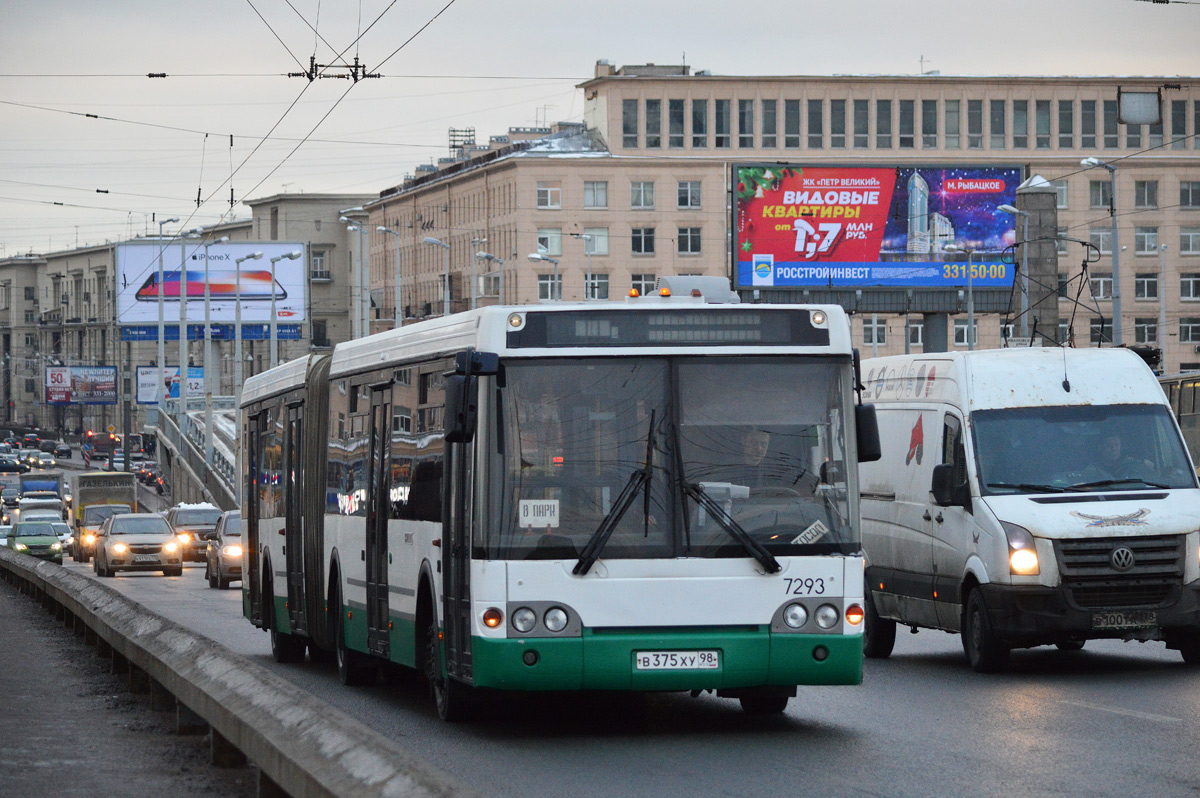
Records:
x=676, y=660
x=145, y=558
x=1124, y=620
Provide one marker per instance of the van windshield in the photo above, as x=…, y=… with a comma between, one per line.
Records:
x=1079, y=449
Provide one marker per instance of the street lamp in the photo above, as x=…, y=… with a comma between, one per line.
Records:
x=970, y=293
x=162, y=342
x=556, y=286
x=274, y=317
x=587, y=249
x=1092, y=163
x=490, y=259
x=446, y=286
x=1024, y=265
x=399, y=307
x=360, y=304
x=237, y=324
x=1162, y=308
x=475, y=242
x=208, y=392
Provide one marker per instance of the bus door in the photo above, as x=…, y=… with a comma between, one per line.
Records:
x=378, y=510
x=456, y=560
x=293, y=505
x=255, y=435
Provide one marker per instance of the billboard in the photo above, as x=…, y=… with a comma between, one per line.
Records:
x=871, y=226
x=138, y=281
x=153, y=382
x=87, y=385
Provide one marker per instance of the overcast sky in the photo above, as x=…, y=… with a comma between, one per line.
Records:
x=472, y=63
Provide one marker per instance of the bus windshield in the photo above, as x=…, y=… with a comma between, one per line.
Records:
x=749, y=445
x=1079, y=449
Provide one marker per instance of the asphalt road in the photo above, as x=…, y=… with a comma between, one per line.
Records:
x=1116, y=719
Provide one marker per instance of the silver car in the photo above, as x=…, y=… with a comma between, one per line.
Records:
x=137, y=542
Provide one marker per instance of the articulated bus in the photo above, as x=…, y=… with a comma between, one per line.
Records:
x=561, y=497
x=1183, y=394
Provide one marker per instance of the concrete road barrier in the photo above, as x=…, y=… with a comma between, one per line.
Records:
x=304, y=746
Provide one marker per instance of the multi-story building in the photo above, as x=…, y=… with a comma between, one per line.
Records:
x=643, y=187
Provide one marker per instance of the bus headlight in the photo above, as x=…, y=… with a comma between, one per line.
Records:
x=523, y=620
x=827, y=616
x=555, y=619
x=795, y=615
x=1022, y=555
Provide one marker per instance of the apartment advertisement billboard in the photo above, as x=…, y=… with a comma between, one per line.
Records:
x=86, y=385
x=251, y=281
x=155, y=383
x=801, y=226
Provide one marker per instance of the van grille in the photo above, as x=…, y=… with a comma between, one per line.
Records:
x=1093, y=582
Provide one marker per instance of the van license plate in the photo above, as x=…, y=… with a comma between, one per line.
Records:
x=676, y=660
x=145, y=558
x=1124, y=620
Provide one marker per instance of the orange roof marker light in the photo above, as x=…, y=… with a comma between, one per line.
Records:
x=634, y=293
x=664, y=291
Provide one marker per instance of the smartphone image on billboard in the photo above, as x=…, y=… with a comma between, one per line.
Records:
x=255, y=285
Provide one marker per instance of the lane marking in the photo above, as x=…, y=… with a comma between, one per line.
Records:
x=1132, y=713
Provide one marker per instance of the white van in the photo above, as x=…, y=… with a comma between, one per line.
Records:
x=1028, y=497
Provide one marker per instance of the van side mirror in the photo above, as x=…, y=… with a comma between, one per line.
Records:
x=946, y=493
x=832, y=472
x=867, y=428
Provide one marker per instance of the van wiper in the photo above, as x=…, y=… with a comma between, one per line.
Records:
x=638, y=480
x=1104, y=483
x=1027, y=486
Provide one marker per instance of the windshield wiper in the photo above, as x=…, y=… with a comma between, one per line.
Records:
x=637, y=481
x=1103, y=483
x=1027, y=486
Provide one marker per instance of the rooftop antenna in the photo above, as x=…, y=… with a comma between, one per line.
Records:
x=930, y=72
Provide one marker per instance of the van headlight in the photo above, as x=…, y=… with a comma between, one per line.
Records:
x=1022, y=554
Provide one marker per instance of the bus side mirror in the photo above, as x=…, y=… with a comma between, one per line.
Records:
x=867, y=428
x=462, y=408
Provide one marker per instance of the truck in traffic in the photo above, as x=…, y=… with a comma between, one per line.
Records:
x=97, y=496
x=43, y=483
x=1027, y=497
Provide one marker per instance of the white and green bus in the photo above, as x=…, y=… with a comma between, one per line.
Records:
x=655, y=495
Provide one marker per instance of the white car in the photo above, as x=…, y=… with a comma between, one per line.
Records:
x=137, y=542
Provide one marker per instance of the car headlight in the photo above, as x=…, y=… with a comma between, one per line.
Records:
x=21, y=547
x=795, y=615
x=171, y=547
x=55, y=547
x=119, y=548
x=555, y=619
x=89, y=539
x=523, y=620
x=183, y=537
x=827, y=616
x=232, y=551
x=1022, y=554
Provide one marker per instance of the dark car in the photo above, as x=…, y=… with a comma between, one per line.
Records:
x=224, y=563
x=9, y=464
x=63, y=451
x=194, y=525
x=31, y=441
x=47, y=446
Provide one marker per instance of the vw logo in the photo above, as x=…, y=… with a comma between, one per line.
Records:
x=1122, y=558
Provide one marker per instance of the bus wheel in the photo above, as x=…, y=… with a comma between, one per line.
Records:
x=350, y=671
x=284, y=647
x=763, y=703
x=453, y=698
x=879, y=634
x=986, y=651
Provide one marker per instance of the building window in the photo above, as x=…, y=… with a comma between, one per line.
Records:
x=1099, y=193
x=960, y=332
x=1178, y=124
x=916, y=333
x=549, y=194
x=1060, y=245
x=320, y=271
x=907, y=123
x=31, y=293
x=791, y=124
x=28, y=340
x=745, y=123
x=1066, y=124
x=597, y=244
x=1156, y=135
x=643, y=283
x=1111, y=136
x=998, y=125
x=1099, y=332
x=699, y=124
x=1101, y=284
x=675, y=124
x=1189, y=192
x=1145, y=240
x=29, y=317
x=1189, y=241
x=974, y=124
x=30, y=387
x=929, y=124
x=862, y=124
x=837, y=124
x=689, y=241
x=883, y=124
x=1087, y=124
x=1020, y=124
x=1189, y=286
x=874, y=331
x=689, y=194
x=597, y=286
x=1145, y=286
x=1133, y=137
x=770, y=125
x=1189, y=331
x=1102, y=240
x=595, y=193
x=816, y=124
x=1145, y=331
x=1145, y=193
x=549, y=286
x=641, y=194
x=643, y=240
x=653, y=124
x=1060, y=193
x=549, y=241
x=629, y=123
x=1042, y=124
x=320, y=333
x=721, y=124
x=402, y=420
